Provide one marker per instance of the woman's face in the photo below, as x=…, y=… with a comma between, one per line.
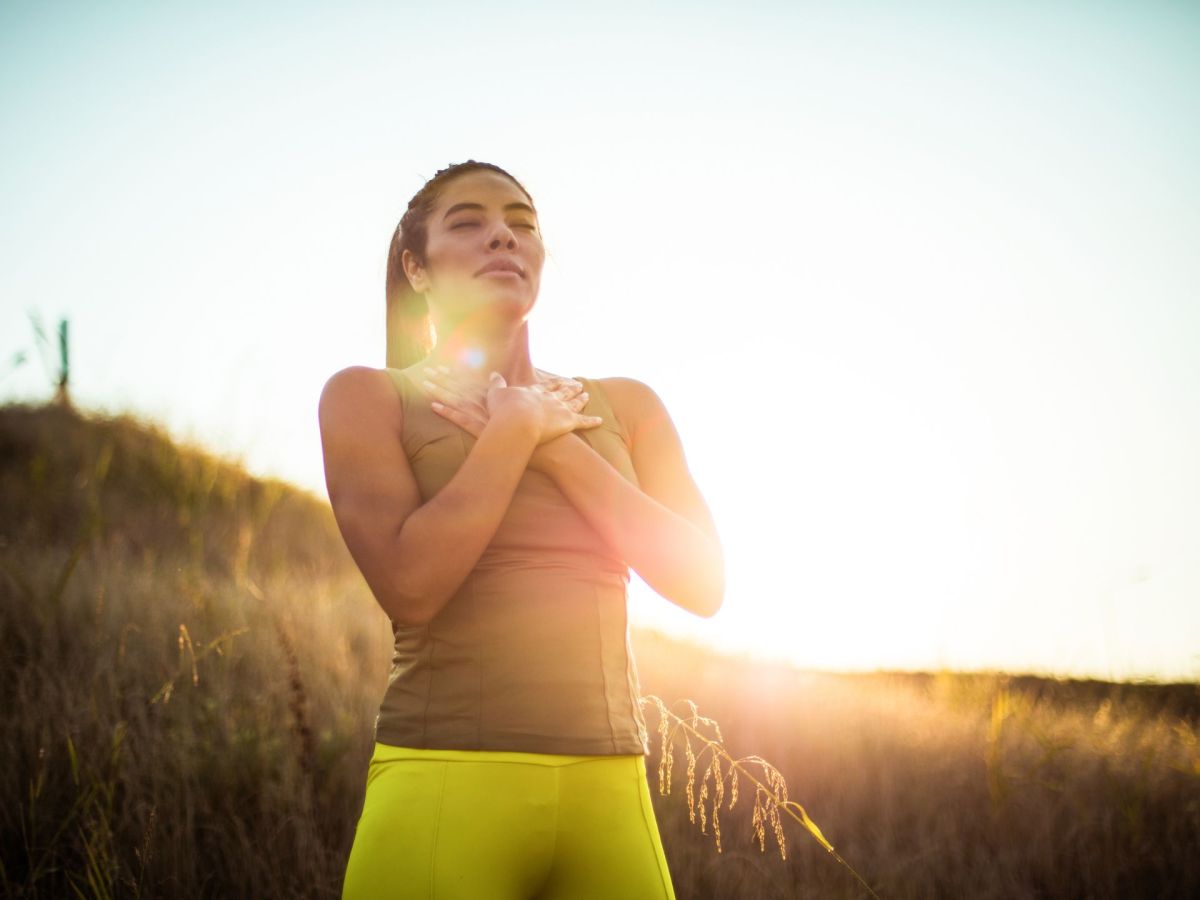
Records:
x=480, y=230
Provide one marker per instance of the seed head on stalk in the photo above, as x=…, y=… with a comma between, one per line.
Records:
x=770, y=789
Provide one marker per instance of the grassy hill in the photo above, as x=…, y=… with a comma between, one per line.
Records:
x=192, y=665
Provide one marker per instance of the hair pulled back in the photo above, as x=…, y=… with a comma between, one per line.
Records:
x=409, y=330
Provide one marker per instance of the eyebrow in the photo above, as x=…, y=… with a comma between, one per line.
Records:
x=458, y=207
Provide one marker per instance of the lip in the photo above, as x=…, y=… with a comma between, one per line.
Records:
x=501, y=267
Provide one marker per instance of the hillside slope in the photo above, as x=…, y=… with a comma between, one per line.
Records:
x=67, y=477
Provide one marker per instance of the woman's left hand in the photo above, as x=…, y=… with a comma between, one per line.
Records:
x=465, y=403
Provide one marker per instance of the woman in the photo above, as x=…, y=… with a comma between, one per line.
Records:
x=495, y=510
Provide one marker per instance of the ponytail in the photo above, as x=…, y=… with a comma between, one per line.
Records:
x=409, y=332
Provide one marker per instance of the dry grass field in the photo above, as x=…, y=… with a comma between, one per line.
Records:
x=192, y=665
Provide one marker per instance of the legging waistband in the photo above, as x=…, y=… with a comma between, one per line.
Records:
x=392, y=753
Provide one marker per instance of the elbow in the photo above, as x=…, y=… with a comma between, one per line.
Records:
x=708, y=601
x=411, y=607
x=713, y=597
x=716, y=596
x=406, y=616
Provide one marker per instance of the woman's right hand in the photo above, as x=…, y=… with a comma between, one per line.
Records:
x=542, y=408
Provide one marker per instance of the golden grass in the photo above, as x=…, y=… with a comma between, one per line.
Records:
x=770, y=787
x=192, y=667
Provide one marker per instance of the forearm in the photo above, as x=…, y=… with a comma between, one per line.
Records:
x=670, y=553
x=440, y=542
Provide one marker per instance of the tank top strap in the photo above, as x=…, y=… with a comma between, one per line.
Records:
x=398, y=378
x=404, y=387
x=602, y=407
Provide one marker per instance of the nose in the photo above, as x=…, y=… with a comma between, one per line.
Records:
x=502, y=235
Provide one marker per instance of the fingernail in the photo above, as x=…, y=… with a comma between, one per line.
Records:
x=429, y=384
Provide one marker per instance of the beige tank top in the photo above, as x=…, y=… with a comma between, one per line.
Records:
x=532, y=652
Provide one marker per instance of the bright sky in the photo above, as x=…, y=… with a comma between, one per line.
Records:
x=918, y=283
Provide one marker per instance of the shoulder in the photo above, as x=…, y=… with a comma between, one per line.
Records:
x=358, y=374
x=355, y=390
x=633, y=402
x=355, y=379
x=629, y=389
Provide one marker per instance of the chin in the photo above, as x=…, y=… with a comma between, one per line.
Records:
x=504, y=306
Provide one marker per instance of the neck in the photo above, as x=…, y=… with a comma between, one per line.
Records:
x=480, y=355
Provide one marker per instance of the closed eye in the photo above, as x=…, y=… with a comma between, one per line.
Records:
x=531, y=227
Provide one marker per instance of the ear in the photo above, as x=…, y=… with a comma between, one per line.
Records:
x=414, y=272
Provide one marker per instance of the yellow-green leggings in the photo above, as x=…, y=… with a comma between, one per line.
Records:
x=488, y=825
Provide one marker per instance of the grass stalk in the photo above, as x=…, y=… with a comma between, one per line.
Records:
x=770, y=792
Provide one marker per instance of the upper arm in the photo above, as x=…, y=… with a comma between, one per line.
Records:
x=657, y=451
x=368, y=476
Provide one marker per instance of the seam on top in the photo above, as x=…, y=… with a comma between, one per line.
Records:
x=397, y=377
x=608, y=710
x=597, y=391
x=478, y=664
x=474, y=618
x=627, y=653
x=429, y=643
x=402, y=374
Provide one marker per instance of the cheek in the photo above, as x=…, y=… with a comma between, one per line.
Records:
x=449, y=263
x=537, y=259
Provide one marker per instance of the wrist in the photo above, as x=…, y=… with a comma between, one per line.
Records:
x=516, y=426
x=549, y=455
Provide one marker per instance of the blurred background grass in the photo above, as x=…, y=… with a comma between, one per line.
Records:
x=193, y=664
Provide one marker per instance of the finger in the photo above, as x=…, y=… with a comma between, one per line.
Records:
x=469, y=423
x=456, y=381
x=441, y=375
x=589, y=421
x=470, y=397
x=437, y=392
x=554, y=382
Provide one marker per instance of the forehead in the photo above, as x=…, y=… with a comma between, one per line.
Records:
x=488, y=188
